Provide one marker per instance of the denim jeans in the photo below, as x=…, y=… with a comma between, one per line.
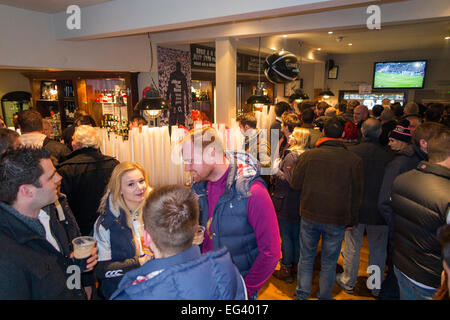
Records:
x=290, y=241
x=377, y=236
x=332, y=237
x=411, y=291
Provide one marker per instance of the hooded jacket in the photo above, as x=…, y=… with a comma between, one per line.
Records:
x=188, y=275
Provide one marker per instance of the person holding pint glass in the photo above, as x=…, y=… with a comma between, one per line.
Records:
x=36, y=257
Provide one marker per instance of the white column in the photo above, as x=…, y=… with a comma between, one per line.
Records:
x=225, y=108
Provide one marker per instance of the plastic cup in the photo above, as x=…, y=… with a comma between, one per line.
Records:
x=82, y=250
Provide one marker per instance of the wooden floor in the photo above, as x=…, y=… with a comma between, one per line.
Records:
x=275, y=289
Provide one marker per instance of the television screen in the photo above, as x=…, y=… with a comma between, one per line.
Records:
x=399, y=75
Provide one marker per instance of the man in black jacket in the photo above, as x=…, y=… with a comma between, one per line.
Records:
x=280, y=108
x=375, y=158
x=405, y=161
x=85, y=174
x=31, y=128
x=35, y=255
x=420, y=201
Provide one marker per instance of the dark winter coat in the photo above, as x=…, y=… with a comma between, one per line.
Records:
x=421, y=204
x=404, y=161
x=286, y=200
x=30, y=267
x=330, y=180
x=85, y=174
x=58, y=150
x=375, y=159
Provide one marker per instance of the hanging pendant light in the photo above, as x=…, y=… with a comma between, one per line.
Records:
x=152, y=104
x=325, y=94
x=298, y=96
x=259, y=99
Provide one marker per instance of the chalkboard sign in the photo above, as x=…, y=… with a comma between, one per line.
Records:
x=252, y=64
x=203, y=57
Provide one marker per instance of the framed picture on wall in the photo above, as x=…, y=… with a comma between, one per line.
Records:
x=290, y=87
x=333, y=72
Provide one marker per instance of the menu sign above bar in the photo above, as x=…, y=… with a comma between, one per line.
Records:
x=205, y=58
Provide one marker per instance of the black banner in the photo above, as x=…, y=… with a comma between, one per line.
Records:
x=203, y=57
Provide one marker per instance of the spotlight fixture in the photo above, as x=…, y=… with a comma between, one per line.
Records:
x=284, y=35
x=319, y=49
x=330, y=32
x=447, y=38
x=350, y=44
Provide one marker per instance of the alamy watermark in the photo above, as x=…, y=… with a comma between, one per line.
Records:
x=74, y=20
x=374, y=20
x=74, y=280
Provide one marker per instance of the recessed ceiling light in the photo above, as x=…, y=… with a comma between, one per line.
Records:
x=330, y=32
x=319, y=49
x=350, y=44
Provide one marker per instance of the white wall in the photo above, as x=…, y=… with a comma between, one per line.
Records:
x=136, y=16
x=12, y=80
x=27, y=40
x=358, y=68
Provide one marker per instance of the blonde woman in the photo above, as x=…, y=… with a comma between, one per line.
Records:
x=118, y=228
x=400, y=137
x=287, y=205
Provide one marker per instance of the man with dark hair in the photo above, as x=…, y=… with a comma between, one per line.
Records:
x=420, y=201
x=375, y=158
x=255, y=141
x=9, y=139
x=235, y=206
x=179, y=271
x=377, y=110
x=330, y=181
x=280, y=108
x=397, y=108
x=30, y=124
x=434, y=112
x=320, y=109
x=36, y=250
x=307, y=119
x=66, y=136
x=407, y=160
